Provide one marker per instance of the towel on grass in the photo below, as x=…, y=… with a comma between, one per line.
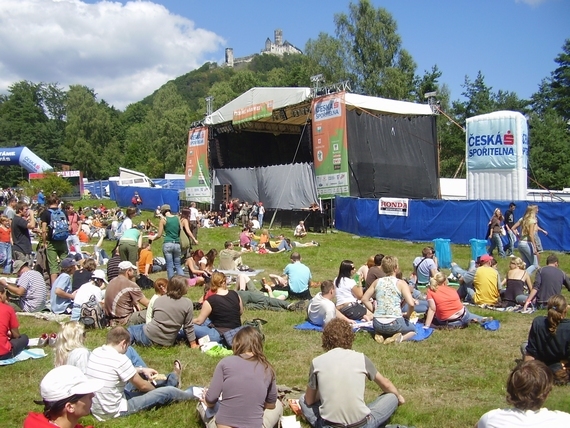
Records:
x=26, y=354
x=421, y=332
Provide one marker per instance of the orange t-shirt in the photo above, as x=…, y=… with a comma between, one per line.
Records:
x=145, y=258
x=446, y=301
x=83, y=237
x=5, y=233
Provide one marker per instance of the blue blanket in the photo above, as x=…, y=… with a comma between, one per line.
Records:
x=26, y=354
x=421, y=332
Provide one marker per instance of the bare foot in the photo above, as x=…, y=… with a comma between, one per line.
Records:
x=178, y=371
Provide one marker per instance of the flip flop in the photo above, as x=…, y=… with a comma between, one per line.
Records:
x=178, y=367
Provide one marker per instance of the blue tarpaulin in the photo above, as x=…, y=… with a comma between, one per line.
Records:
x=458, y=221
x=151, y=196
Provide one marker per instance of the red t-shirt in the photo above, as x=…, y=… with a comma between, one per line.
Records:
x=38, y=420
x=446, y=301
x=5, y=233
x=8, y=321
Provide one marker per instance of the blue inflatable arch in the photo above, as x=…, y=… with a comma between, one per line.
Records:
x=24, y=157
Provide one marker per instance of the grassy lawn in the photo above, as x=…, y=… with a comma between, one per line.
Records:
x=449, y=380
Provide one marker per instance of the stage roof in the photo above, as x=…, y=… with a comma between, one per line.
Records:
x=290, y=106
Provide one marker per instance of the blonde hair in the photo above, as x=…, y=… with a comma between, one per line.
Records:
x=436, y=281
x=370, y=261
x=527, y=220
x=389, y=264
x=70, y=337
x=519, y=263
x=557, y=307
x=218, y=280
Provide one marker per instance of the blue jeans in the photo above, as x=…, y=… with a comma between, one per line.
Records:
x=138, y=336
x=172, y=254
x=496, y=242
x=421, y=307
x=6, y=256
x=158, y=397
x=134, y=357
x=510, y=247
x=463, y=320
x=381, y=410
x=399, y=325
x=203, y=330
x=283, y=245
x=526, y=251
x=260, y=220
x=73, y=240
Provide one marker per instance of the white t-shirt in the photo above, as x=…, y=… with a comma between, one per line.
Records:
x=321, y=310
x=193, y=214
x=127, y=224
x=78, y=358
x=344, y=291
x=115, y=370
x=500, y=418
x=85, y=292
x=150, y=308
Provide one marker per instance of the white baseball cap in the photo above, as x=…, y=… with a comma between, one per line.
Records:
x=126, y=265
x=66, y=381
x=99, y=274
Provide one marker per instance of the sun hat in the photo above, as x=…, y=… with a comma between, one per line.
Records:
x=126, y=265
x=164, y=208
x=18, y=264
x=99, y=274
x=66, y=381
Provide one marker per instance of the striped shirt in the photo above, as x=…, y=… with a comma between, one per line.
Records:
x=34, y=299
x=115, y=370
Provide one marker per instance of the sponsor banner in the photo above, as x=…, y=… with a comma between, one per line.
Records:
x=253, y=112
x=497, y=143
x=393, y=206
x=330, y=150
x=24, y=157
x=197, y=174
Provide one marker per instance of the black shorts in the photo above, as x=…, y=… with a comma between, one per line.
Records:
x=354, y=311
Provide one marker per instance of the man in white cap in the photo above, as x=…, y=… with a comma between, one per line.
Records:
x=30, y=287
x=67, y=395
x=124, y=297
x=95, y=287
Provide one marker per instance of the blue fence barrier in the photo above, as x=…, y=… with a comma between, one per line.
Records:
x=458, y=221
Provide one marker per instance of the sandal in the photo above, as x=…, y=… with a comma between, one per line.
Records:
x=178, y=371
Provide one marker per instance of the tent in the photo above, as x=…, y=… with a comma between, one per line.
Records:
x=288, y=149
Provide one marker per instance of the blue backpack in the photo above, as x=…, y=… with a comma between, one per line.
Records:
x=58, y=225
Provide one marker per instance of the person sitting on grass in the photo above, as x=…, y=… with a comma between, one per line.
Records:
x=67, y=396
x=549, y=339
x=296, y=279
x=390, y=325
x=194, y=269
x=528, y=387
x=109, y=364
x=445, y=308
x=349, y=294
x=300, y=231
x=516, y=281
x=322, y=309
x=335, y=391
x=160, y=286
x=11, y=341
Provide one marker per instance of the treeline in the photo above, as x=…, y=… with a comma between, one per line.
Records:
x=75, y=126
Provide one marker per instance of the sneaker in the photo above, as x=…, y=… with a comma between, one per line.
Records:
x=379, y=338
x=52, y=339
x=298, y=306
x=512, y=255
x=43, y=340
x=397, y=338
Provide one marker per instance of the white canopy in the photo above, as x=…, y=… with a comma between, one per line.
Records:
x=285, y=97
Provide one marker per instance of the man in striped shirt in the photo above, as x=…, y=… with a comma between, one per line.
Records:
x=109, y=364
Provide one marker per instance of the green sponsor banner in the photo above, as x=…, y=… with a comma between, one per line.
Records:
x=330, y=150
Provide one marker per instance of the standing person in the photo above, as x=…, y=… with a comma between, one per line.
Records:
x=22, y=223
x=169, y=225
x=390, y=324
x=11, y=341
x=41, y=198
x=5, y=244
x=10, y=210
x=495, y=233
x=185, y=226
x=136, y=200
x=528, y=387
x=74, y=227
x=67, y=396
x=548, y=282
x=527, y=244
x=246, y=381
x=509, y=223
x=193, y=220
x=260, y=214
x=54, y=231
x=129, y=244
x=335, y=392
x=30, y=287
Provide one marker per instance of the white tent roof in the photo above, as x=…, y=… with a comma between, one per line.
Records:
x=283, y=97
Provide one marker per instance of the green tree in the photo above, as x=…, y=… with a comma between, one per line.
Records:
x=560, y=82
x=51, y=182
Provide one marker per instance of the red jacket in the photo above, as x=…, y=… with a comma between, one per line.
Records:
x=38, y=420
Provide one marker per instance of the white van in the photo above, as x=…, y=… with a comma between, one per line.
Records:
x=128, y=177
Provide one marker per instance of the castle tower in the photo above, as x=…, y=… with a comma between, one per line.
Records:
x=279, y=37
x=229, y=57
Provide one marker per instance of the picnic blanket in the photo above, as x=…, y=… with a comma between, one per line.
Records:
x=26, y=354
x=421, y=332
x=48, y=316
x=235, y=272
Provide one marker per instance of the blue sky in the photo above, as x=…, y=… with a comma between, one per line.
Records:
x=126, y=50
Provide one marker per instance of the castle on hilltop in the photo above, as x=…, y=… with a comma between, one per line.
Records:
x=277, y=47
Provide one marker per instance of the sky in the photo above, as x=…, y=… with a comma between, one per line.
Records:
x=125, y=50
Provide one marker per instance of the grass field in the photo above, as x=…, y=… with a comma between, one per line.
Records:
x=449, y=380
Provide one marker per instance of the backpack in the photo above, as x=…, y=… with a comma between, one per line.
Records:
x=92, y=315
x=59, y=225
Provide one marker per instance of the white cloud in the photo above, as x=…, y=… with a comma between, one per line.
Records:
x=124, y=52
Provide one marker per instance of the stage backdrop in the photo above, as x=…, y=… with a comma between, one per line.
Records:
x=151, y=196
x=458, y=221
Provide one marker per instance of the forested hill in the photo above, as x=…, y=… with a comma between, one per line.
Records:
x=73, y=125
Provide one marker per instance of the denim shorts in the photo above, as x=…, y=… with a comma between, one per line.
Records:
x=399, y=325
